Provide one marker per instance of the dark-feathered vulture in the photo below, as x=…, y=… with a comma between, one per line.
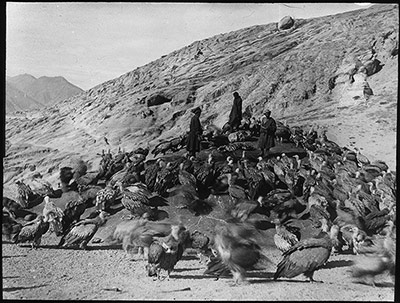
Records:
x=33, y=231
x=257, y=185
x=376, y=221
x=165, y=252
x=83, y=231
x=205, y=173
x=66, y=175
x=304, y=257
x=72, y=213
x=166, y=178
x=186, y=177
x=150, y=173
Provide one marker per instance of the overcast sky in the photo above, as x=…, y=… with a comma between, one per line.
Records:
x=90, y=43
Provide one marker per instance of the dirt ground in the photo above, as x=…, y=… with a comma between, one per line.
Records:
x=108, y=273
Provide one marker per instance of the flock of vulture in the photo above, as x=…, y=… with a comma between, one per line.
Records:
x=349, y=201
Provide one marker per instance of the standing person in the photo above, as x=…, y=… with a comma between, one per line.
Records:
x=195, y=132
x=235, y=117
x=267, y=133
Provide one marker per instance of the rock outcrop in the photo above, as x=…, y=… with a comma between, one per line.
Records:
x=286, y=23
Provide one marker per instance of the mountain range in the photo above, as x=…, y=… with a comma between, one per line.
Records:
x=337, y=73
x=25, y=92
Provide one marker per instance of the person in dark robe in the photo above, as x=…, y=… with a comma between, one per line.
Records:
x=195, y=132
x=267, y=133
x=235, y=117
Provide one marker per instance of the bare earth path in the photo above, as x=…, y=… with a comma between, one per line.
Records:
x=106, y=273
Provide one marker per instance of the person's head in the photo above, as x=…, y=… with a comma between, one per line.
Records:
x=197, y=111
x=236, y=94
x=267, y=113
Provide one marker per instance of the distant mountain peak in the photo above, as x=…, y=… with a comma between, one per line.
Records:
x=44, y=91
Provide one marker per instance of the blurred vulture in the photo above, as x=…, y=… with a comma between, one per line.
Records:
x=11, y=207
x=32, y=231
x=9, y=227
x=83, y=231
x=165, y=252
x=139, y=233
x=377, y=258
x=237, y=250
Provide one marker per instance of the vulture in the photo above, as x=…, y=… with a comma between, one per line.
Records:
x=361, y=159
x=25, y=195
x=105, y=198
x=236, y=192
x=11, y=207
x=375, y=221
x=257, y=185
x=165, y=252
x=186, y=177
x=140, y=233
x=33, y=231
x=377, y=258
x=42, y=187
x=53, y=215
x=150, y=173
x=237, y=250
x=10, y=228
x=83, y=231
x=66, y=176
x=200, y=242
x=166, y=178
x=244, y=208
x=284, y=239
x=139, y=200
x=72, y=213
x=305, y=257
x=205, y=175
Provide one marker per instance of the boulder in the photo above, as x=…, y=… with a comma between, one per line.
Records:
x=372, y=66
x=157, y=100
x=286, y=23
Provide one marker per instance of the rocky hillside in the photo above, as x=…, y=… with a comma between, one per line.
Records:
x=315, y=73
x=44, y=91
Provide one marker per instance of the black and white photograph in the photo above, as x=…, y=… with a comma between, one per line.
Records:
x=200, y=151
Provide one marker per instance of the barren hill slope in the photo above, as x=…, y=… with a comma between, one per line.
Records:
x=309, y=74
